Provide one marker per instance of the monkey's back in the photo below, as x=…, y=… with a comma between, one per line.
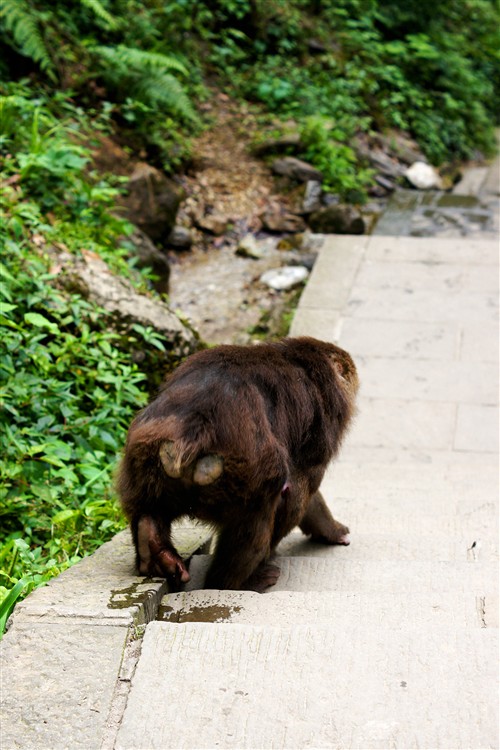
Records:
x=263, y=412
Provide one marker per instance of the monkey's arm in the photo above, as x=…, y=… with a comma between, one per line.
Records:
x=156, y=555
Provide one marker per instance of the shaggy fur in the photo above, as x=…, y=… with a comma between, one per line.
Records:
x=239, y=437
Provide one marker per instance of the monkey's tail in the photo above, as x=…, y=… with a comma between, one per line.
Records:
x=176, y=446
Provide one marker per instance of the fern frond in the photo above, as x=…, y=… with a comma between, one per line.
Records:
x=21, y=21
x=165, y=92
x=138, y=59
x=100, y=11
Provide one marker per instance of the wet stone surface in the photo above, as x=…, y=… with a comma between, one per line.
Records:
x=435, y=213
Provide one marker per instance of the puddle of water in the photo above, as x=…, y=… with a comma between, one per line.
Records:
x=418, y=214
x=207, y=613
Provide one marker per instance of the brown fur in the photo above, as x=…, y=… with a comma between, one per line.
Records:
x=270, y=417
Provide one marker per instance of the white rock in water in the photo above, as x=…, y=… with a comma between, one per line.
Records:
x=423, y=176
x=284, y=278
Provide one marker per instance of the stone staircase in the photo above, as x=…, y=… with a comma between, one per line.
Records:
x=391, y=642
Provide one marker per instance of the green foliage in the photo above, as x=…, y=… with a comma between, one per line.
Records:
x=68, y=387
x=68, y=394
x=324, y=147
x=431, y=70
x=20, y=20
x=145, y=76
x=101, y=13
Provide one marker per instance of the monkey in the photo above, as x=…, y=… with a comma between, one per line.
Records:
x=239, y=437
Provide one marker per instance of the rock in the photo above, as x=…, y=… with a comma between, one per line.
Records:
x=149, y=256
x=330, y=199
x=92, y=278
x=296, y=169
x=385, y=164
x=248, y=247
x=278, y=219
x=304, y=259
x=277, y=145
x=399, y=145
x=387, y=185
x=312, y=196
x=292, y=242
x=108, y=156
x=284, y=278
x=213, y=223
x=152, y=201
x=180, y=238
x=423, y=176
x=341, y=219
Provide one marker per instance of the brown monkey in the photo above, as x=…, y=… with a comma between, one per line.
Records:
x=239, y=437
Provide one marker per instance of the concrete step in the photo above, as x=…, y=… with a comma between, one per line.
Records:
x=211, y=686
x=333, y=608
x=370, y=547
x=395, y=577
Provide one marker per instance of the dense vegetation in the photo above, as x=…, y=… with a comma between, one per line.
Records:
x=138, y=70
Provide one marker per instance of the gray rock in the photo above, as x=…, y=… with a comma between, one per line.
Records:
x=312, y=196
x=277, y=219
x=277, y=145
x=149, y=256
x=423, y=176
x=248, y=247
x=341, y=219
x=151, y=202
x=213, y=223
x=296, y=169
x=92, y=278
x=180, y=238
x=287, y=277
x=385, y=183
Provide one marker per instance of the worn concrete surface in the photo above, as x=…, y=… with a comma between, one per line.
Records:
x=391, y=642
x=388, y=643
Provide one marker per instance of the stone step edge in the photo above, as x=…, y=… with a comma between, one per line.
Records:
x=337, y=608
x=114, y=594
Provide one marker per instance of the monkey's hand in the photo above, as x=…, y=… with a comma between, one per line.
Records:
x=156, y=555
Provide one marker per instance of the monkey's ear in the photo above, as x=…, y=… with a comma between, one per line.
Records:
x=337, y=366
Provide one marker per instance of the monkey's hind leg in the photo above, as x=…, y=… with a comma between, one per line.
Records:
x=320, y=525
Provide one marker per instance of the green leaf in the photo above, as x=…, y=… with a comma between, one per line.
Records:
x=64, y=515
x=7, y=604
x=35, y=319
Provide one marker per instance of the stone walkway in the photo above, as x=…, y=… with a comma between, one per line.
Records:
x=388, y=643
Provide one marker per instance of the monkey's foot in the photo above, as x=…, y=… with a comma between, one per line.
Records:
x=339, y=534
x=263, y=578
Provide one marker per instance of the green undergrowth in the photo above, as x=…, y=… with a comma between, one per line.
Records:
x=68, y=386
x=67, y=392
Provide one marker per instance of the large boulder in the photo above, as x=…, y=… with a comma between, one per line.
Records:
x=91, y=277
x=149, y=256
x=151, y=202
x=337, y=219
x=296, y=169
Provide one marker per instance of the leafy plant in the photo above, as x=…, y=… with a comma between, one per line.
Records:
x=67, y=394
x=325, y=148
x=146, y=77
x=22, y=22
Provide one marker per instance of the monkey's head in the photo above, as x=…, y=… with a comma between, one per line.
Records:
x=345, y=368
